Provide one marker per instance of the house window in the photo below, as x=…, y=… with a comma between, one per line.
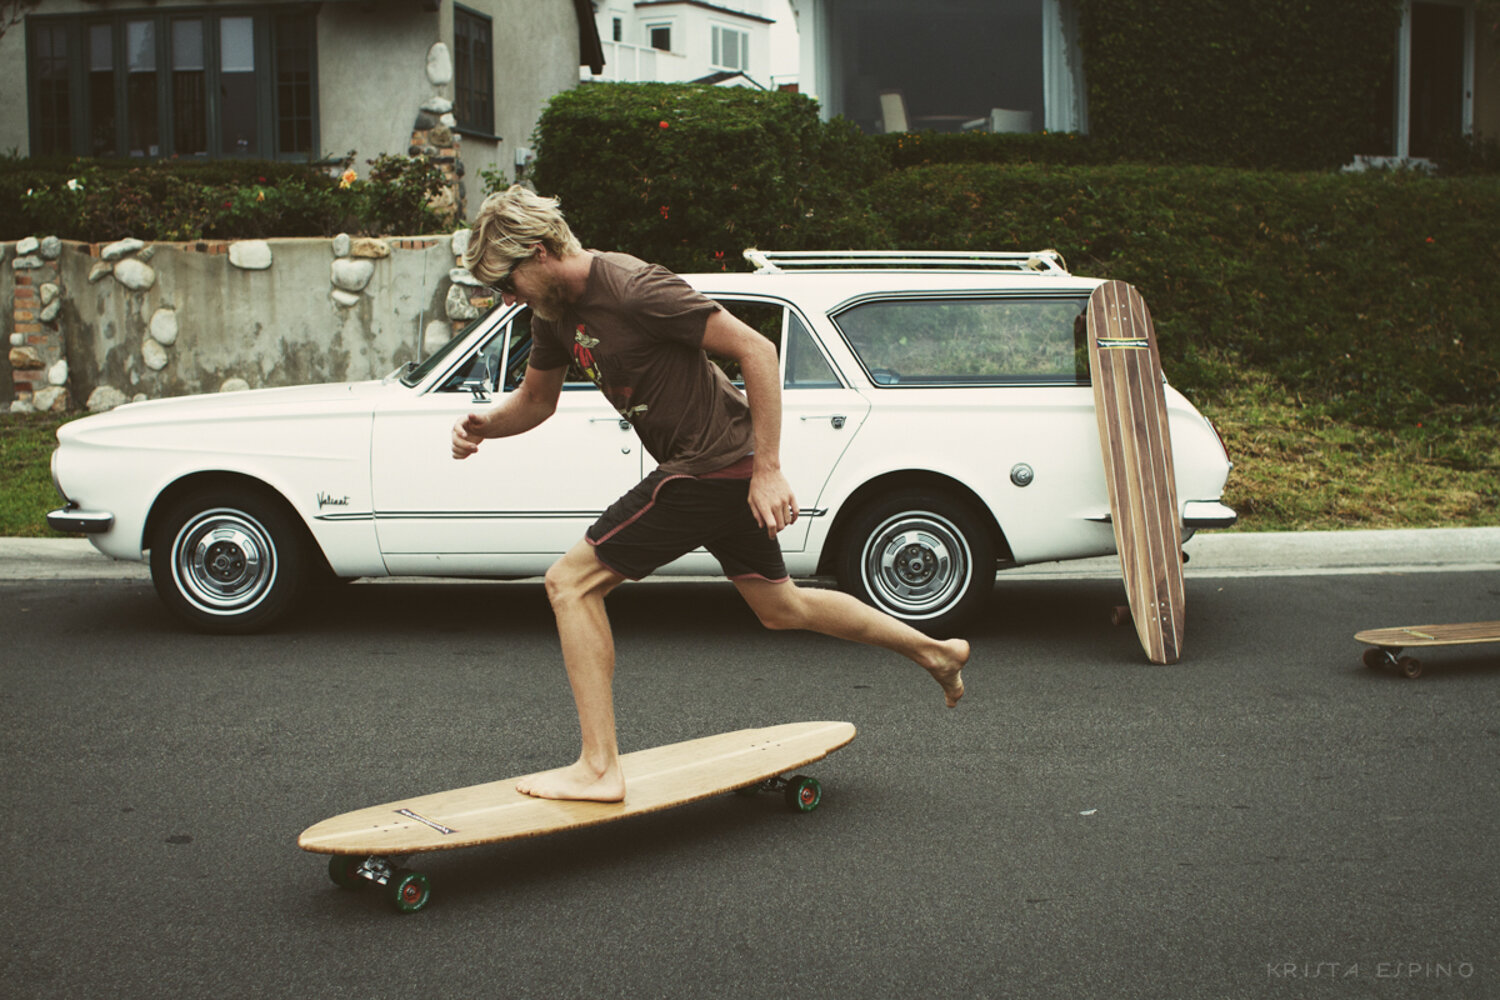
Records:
x=178, y=83
x=473, y=69
x=731, y=49
x=1425, y=100
x=189, y=98
x=661, y=36
x=237, y=85
x=618, y=30
x=294, y=85
x=50, y=73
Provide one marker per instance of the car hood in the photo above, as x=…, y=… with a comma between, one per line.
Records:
x=333, y=398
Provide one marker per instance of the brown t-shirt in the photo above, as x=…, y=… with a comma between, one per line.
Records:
x=637, y=331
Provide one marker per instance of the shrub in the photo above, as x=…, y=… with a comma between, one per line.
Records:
x=1371, y=292
x=101, y=200
x=688, y=176
x=914, y=149
x=1276, y=83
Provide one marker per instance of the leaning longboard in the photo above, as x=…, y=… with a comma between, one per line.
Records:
x=370, y=845
x=1388, y=643
x=1130, y=402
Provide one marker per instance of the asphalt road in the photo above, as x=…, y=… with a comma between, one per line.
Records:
x=1266, y=819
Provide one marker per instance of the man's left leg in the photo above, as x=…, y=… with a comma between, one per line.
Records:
x=784, y=605
x=576, y=586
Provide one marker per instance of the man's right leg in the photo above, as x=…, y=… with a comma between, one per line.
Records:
x=577, y=585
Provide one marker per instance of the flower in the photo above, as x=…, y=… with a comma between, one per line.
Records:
x=663, y=125
x=665, y=211
x=73, y=185
x=348, y=178
x=260, y=195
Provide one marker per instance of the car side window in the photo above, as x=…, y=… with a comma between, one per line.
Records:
x=482, y=368
x=977, y=341
x=806, y=368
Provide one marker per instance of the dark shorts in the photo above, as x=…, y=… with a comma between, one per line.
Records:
x=667, y=516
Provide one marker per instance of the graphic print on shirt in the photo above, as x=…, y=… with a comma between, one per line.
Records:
x=618, y=396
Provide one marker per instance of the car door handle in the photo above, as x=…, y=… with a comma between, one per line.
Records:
x=624, y=424
x=836, y=419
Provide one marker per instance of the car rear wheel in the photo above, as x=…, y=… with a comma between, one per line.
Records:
x=226, y=560
x=926, y=558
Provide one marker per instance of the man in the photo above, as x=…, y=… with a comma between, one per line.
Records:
x=643, y=335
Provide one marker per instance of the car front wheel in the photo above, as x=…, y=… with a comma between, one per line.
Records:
x=925, y=558
x=227, y=561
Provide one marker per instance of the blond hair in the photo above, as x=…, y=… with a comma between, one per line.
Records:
x=507, y=229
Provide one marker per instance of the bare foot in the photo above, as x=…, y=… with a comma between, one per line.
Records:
x=578, y=782
x=946, y=667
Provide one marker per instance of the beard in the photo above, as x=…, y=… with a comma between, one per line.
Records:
x=551, y=301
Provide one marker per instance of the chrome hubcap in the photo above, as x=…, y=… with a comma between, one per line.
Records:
x=916, y=564
x=223, y=561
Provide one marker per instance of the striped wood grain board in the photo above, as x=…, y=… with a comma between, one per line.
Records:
x=1431, y=635
x=1131, y=406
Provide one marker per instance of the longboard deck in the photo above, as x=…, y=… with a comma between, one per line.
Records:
x=1431, y=635
x=655, y=779
x=1130, y=403
x=1388, y=643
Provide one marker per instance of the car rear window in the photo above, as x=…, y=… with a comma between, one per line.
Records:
x=970, y=341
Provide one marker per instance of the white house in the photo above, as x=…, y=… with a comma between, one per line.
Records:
x=676, y=41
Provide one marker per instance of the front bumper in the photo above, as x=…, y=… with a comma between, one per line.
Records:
x=76, y=520
x=1207, y=514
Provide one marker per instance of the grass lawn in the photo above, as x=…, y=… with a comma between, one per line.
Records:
x=1293, y=469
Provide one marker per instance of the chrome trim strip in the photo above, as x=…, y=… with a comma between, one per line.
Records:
x=493, y=515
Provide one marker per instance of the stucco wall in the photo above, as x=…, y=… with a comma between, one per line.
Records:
x=173, y=319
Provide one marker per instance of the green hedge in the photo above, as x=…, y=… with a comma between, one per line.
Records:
x=915, y=149
x=1274, y=83
x=101, y=200
x=1373, y=293
x=689, y=176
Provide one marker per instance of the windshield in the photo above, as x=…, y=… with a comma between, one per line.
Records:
x=415, y=374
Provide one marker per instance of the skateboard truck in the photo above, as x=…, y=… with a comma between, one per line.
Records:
x=406, y=890
x=1390, y=657
x=802, y=793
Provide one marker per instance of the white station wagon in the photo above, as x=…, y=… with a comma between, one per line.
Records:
x=938, y=425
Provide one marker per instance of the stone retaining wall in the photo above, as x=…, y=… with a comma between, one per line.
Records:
x=92, y=326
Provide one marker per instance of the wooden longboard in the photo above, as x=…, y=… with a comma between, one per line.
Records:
x=1389, y=642
x=1130, y=402
x=365, y=842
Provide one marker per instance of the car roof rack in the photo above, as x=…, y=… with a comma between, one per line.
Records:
x=778, y=261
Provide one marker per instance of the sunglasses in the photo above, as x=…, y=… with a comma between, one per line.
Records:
x=506, y=283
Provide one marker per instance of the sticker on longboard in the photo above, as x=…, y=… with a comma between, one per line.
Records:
x=1122, y=344
x=440, y=828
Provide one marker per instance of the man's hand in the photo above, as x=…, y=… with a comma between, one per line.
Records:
x=772, y=502
x=467, y=433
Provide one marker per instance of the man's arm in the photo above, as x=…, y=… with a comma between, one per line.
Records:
x=519, y=411
x=771, y=499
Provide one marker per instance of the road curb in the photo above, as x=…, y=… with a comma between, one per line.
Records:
x=1211, y=554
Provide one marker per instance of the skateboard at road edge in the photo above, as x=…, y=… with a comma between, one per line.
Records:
x=1131, y=406
x=1388, y=643
x=371, y=846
